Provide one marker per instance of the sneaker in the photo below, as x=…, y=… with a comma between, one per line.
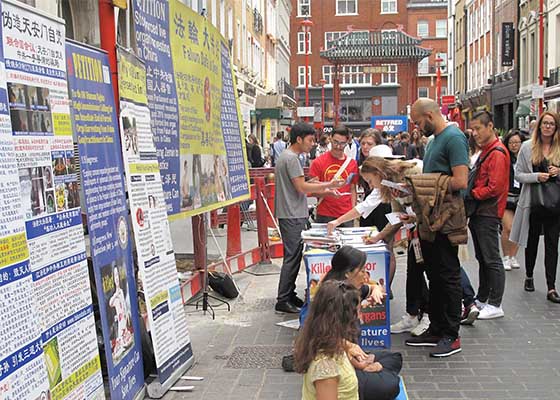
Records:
x=479, y=304
x=296, y=301
x=529, y=285
x=422, y=326
x=406, y=324
x=506, y=260
x=491, y=312
x=446, y=347
x=427, y=339
x=470, y=314
x=514, y=263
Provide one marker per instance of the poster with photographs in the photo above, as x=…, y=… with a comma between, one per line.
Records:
x=38, y=104
x=374, y=318
x=156, y=259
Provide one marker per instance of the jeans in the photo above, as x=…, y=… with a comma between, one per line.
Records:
x=444, y=272
x=485, y=233
x=290, y=229
x=551, y=226
x=468, y=291
x=323, y=219
x=417, y=294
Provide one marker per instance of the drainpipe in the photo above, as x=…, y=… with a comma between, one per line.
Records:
x=108, y=35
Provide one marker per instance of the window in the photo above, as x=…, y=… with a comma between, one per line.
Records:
x=441, y=28
x=330, y=36
x=443, y=64
x=214, y=12
x=346, y=7
x=423, y=92
x=301, y=42
x=423, y=66
x=389, y=77
x=304, y=8
x=388, y=6
x=423, y=29
x=301, y=75
x=223, y=17
x=444, y=90
x=354, y=75
x=328, y=74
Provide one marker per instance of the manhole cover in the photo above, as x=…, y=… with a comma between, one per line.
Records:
x=253, y=357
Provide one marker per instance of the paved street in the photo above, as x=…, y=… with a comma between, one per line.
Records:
x=517, y=357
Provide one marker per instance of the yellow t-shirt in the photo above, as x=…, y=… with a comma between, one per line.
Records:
x=323, y=367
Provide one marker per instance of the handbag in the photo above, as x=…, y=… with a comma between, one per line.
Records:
x=545, y=197
x=223, y=284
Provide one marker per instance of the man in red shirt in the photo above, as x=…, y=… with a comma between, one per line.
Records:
x=325, y=167
x=489, y=192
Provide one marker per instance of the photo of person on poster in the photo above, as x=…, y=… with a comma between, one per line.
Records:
x=117, y=300
x=130, y=135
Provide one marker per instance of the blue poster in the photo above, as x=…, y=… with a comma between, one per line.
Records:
x=390, y=124
x=95, y=127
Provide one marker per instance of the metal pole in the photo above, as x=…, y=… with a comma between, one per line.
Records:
x=322, y=107
x=306, y=70
x=541, y=51
x=108, y=41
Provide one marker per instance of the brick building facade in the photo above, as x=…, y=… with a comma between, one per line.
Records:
x=384, y=91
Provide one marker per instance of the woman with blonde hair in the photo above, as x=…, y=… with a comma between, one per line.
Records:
x=538, y=164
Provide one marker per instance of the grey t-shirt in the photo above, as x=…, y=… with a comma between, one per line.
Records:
x=288, y=202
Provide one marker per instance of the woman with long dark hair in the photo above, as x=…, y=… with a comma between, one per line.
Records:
x=538, y=164
x=320, y=349
x=512, y=142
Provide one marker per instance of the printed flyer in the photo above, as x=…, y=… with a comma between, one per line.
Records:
x=22, y=368
x=34, y=52
x=95, y=124
x=374, y=319
x=194, y=108
x=156, y=258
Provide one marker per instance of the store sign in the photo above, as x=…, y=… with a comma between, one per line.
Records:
x=508, y=44
x=537, y=92
x=446, y=100
x=390, y=124
x=306, y=111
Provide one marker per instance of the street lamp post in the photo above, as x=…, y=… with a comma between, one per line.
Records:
x=306, y=25
x=541, y=51
x=438, y=80
x=322, y=82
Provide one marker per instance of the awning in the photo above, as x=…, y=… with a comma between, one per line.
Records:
x=523, y=109
x=268, y=113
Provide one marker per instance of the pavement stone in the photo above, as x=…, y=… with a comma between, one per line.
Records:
x=515, y=357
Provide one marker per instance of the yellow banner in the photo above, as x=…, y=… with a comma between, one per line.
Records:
x=132, y=81
x=13, y=249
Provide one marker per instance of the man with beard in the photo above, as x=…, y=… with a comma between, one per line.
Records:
x=447, y=154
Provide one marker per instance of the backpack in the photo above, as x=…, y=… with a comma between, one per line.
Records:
x=470, y=203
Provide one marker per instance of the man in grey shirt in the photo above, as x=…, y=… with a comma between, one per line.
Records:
x=290, y=204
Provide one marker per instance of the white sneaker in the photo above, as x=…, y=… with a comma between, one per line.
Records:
x=422, y=326
x=491, y=312
x=514, y=263
x=480, y=305
x=406, y=324
x=506, y=260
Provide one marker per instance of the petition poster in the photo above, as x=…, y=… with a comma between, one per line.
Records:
x=95, y=125
x=34, y=51
x=22, y=368
x=156, y=258
x=194, y=108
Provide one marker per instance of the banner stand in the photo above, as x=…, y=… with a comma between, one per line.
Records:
x=201, y=253
x=154, y=387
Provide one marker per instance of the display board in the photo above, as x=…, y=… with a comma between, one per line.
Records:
x=374, y=319
x=95, y=125
x=156, y=258
x=34, y=51
x=194, y=108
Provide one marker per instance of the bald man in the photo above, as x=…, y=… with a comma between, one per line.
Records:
x=447, y=153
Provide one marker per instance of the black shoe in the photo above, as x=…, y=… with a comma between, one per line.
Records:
x=427, y=339
x=286, y=307
x=296, y=301
x=553, y=297
x=446, y=347
x=390, y=295
x=529, y=285
x=288, y=363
